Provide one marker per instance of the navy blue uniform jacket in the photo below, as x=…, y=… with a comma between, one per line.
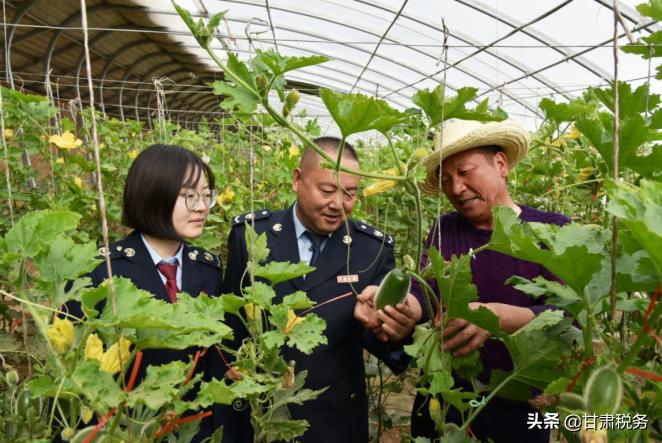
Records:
x=341, y=413
x=201, y=273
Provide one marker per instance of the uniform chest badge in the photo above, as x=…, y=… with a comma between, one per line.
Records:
x=351, y=278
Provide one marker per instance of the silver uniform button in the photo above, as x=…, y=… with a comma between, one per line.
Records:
x=347, y=239
x=208, y=256
x=129, y=252
x=378, y=233
x=192, y=255
x=277, y=227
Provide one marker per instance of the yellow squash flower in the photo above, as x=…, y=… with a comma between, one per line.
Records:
x=9, y=134
x=78, y=181
x=61, y=334
x=225, y=198
x=110, y=360
x=93, y=348
x=420, y=153
x=252, y=311
x=86, y=414
x=380, y=186
x=434, y=405
x=574, y=134
x=132, y=154
x=294, y=151
x=65, y=141
x=59, y=160
x=292, y=321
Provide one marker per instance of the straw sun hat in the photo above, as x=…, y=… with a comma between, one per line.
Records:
x=467, y=134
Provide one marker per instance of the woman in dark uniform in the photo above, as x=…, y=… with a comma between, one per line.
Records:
x=168, y=194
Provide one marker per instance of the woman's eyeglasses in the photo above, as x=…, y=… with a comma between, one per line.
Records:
x=192, y=199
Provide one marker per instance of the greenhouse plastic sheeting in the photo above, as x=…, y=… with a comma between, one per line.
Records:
x=514, y=52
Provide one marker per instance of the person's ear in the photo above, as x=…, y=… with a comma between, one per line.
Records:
x=296, y=179
x=501, y=162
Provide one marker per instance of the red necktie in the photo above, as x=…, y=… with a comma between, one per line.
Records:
x=170, y=273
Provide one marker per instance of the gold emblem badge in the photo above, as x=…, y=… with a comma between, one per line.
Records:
x=129, y=252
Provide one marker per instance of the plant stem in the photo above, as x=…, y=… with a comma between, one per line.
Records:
x=641, y=338
x=428, y=295
x=297, y=131
x=484, y=403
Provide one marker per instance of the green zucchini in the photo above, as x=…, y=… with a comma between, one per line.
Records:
x=603, y=391
x=394, y=288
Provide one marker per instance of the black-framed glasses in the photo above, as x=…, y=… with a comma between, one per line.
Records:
x=193, y=198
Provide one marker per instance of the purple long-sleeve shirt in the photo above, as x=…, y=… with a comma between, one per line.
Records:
x=456, y=236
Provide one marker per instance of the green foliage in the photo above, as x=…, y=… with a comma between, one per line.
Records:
x=438, y=108
x=241, y=93
x=640, y=209
x=354, y=113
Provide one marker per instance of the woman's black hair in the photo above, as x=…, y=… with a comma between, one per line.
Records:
x=153, y=185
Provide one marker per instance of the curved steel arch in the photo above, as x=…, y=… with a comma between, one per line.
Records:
x=110, y=60
x=70, y=19
x=465, y=39
x=464, y=70
x=129, y=70
x=538, y=36
x=18, y=15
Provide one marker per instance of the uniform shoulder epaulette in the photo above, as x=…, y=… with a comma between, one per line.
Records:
x=202, y=256
x=250, y=216
x=373, y=232
x=117, y=250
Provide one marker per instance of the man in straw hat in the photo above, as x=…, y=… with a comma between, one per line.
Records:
x=470, y=166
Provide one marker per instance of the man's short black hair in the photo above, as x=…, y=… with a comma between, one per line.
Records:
x=331, y=145
x=491, y=150
x=153, y=184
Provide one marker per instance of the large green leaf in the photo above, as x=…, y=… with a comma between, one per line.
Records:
x=565, y=112
x=647, y=47
x=160, y=386
x=98, y=386
x=640, y=209
x=240, y=91
x=307, y=335
x=256, y=245
x=438, y=109
x=631, y=103
x=278, y=64
x=457, y=291
x=36, y=230
x=572, y=252
x=354, y=113
x=278, y=272
x=298, y=300
x=536, y=341
x=64, y=261
x=159, y=324
x=260, y=294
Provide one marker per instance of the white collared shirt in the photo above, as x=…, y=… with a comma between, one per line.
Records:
x=156, y=258
x=303, y=242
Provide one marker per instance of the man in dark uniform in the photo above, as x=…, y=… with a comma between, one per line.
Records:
x=348, y=257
